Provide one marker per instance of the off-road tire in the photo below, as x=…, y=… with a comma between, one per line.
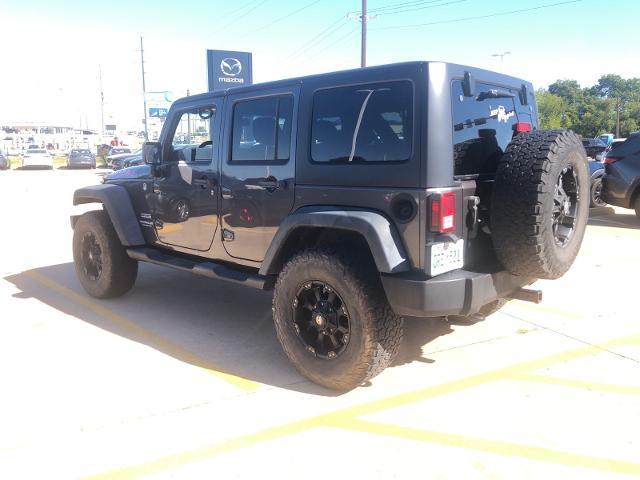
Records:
x=523, y=200
x=595, y=198
x=118, y=272
x=375, y=330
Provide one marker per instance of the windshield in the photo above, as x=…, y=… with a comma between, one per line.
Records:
x=34, y=150
x=81, y=152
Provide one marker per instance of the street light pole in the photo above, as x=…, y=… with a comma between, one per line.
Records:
x=501, y=55
x=101, y=106
x=144, y=92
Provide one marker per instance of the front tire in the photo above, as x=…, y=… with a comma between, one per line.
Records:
x=333, y=320
x=102, y=264
x=637, y=206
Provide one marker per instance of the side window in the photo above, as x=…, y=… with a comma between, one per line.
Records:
x=192, y=140
x=262, y=129
x=482, y=126
x=363, y=123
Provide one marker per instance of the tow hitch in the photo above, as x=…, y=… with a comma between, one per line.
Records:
x=527, y=295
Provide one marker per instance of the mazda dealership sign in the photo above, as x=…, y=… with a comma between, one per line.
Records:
x=228, y=69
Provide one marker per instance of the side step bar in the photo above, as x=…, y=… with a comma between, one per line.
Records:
x=206, y=268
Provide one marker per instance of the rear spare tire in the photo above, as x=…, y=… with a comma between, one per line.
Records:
x=540, y=203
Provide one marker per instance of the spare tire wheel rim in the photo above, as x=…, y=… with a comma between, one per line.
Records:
x=565, y=206
x=91, y=256
x=321, y=320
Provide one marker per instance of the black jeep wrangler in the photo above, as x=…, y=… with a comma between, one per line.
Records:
x=417, y=189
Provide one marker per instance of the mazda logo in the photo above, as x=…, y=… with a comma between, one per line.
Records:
x=231, y=66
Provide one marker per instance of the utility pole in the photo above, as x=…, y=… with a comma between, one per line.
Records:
x=101, y=104
x=618, y=117
x=363, y=18
x=144, y=92
x=363, y=44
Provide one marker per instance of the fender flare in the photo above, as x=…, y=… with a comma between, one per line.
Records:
x=117, y=203
x=380, y=234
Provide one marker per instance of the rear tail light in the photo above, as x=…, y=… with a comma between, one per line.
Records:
x=443, y=212
x=522, y=127
x=607, y=160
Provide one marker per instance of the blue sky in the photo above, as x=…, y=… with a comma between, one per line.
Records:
x=51, y=50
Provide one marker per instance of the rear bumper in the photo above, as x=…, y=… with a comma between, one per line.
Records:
x=460, y=292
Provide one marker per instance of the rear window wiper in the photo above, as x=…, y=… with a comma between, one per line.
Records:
x=493, y=94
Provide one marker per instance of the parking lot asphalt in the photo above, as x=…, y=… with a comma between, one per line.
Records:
x=183, y=377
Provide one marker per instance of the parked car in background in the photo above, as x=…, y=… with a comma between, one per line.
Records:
x=596, y=170
x=133, y=160
x=81, y=157
x=37, y=157
x=5, y=163
x=118, y=161
x=621, y=181
x=593, y=146
x=606, y=138
x=613, y=145
x=115, y=153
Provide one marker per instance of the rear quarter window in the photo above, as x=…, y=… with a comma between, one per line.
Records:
x=483, y=126
x=367, y=123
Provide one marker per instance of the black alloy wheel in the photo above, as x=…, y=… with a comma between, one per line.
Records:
x=565, y=206
x=596, y=193
x=91, y=256
x=182, y=210
x=321, y=320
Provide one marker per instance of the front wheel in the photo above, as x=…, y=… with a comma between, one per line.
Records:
x=637, y=206
x=102, y=264
x=333, y=320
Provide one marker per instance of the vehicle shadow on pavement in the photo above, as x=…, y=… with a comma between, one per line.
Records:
x=608, y=217
x=211, y=324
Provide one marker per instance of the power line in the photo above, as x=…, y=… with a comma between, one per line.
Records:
x=254, y=6
x=326, y=33
x=478, y=17
x=402, y=5
x=343, y=38
x=277, y=20
x=419, y=8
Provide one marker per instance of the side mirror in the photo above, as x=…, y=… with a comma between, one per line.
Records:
x=151, y=153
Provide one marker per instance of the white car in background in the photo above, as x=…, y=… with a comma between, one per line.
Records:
x=37, y=157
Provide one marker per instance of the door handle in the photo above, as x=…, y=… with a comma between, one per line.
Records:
x=227, y=193
x=271, y=184
x=205, y=182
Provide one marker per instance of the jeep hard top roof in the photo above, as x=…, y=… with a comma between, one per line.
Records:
x=443, y=69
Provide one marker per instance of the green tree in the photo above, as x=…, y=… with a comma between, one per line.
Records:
x=551, y=109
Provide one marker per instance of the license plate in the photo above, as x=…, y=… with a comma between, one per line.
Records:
x=446, y=256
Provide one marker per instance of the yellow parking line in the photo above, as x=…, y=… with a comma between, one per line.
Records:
x=209, y=451
x=138, y=331
x=171, y=228
x=347, y=415
x=492, y=446
x=568, y=382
